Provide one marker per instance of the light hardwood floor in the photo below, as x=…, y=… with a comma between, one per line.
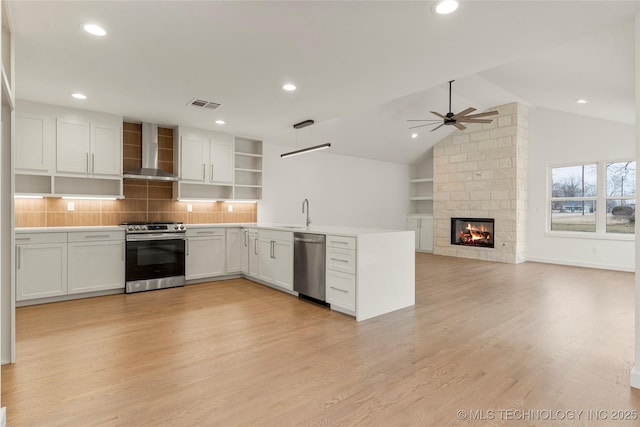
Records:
x=482, y=337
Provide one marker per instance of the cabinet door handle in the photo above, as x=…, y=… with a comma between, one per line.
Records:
x=246, y=238
x=97, y=236
x=273, y=249
x=93, y=163
x=122, y=251
x=18, y=256
x=338, y=259
x=338, y=241
x=255, y=246
x=339, y=290
x=203, y=171
x=23, y=238
x=211, y=177
x=186, y=246
x=206, y=232
x=87, y=155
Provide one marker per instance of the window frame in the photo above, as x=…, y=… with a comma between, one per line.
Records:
x=600, y=200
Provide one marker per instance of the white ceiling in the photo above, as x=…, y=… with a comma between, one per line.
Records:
x=362, y=68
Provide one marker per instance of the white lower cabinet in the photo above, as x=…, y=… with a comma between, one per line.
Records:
x=254, y=253
x=423, y=227
x=341, y=290
x=276, y=258
x=235, y=246
x=96, y=262
x=41, y=265
x=205, y=253
x=341, y=273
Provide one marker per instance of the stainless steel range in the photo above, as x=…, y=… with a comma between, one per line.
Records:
x=155, y=255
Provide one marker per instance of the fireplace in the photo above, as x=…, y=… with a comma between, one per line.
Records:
x=472, y=232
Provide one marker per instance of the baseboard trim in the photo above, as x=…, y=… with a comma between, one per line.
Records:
x=582, y=264
x=634, y=378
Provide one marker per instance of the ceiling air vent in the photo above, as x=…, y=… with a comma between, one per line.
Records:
x=201, y=103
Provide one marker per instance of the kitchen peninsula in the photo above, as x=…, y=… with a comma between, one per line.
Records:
x=369, y=272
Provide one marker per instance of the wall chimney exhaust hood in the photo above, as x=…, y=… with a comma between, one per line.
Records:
x=149, y=168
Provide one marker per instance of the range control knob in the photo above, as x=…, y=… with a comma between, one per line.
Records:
x=176, y=226
x=182, y=227
x=137, y=227
x=130, y=228
x=143, y=227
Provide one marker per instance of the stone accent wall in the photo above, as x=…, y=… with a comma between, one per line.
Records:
x=481, y=172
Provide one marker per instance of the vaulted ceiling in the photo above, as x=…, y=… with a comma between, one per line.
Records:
x=361, y=68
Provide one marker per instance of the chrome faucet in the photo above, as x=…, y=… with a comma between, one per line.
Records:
x=306, y=201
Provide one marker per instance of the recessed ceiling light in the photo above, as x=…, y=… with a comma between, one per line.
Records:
x=78, y=95
x=446, y=7
x=414, y=135
x=289, y=87
x=219, y=122
x=581, y=101
x=94, y=29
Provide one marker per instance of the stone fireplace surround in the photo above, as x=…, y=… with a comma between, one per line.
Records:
x=481, y=172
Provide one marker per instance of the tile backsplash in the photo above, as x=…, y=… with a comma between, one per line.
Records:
x=144, y=201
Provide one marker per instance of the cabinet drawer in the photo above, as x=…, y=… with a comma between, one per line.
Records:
x=341, y=260
x=341, y=242
x=276, y=235
x=27, y=238
x=205, y=232
x=341, y=290
x=94, y=236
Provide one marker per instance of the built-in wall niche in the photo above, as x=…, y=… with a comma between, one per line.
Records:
x=248, y=169
x=421, y=185
x=72, y=186
x=37, y=185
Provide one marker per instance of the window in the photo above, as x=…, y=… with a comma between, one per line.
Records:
x=578, y=191
x=620, y=198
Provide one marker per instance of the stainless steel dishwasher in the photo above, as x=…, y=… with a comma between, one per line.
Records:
x=309, y=265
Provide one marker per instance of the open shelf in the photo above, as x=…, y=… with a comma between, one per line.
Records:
x=422, y=198
x=417, y=180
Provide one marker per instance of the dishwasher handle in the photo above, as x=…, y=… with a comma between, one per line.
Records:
x=303, y=240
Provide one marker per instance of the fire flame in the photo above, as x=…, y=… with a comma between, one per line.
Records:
x=474, y=233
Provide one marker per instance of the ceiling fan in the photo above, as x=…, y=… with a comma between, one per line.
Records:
x=456, y=120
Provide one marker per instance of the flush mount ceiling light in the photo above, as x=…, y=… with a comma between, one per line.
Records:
x=79, y=95
x=301, y=125
x=414, y=135
x=289, y=87
x=94, y=29
x=219, y=122
x=581, y=101
x=445, y=7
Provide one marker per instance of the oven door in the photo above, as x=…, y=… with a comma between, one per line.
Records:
x=154, y=256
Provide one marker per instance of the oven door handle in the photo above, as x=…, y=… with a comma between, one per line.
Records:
x=156, y=236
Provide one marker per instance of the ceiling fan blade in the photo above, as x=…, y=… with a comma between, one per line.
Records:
x=424, y=120
x=437, y=127
x=488, y=113
x=466, y=120
x=460, y=126
x=439, y=115
x=419, y=126
x=464, y=112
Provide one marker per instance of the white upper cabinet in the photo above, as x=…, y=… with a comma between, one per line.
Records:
x=106, y=149
x=193, y=151
x=85, y=147
x=73, y=146
x=221, y=166
x=206, y=157
x=35, y=141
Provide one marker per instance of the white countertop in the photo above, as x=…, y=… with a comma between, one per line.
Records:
x=318, y=229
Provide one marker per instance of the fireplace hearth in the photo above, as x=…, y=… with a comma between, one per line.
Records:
x=476, y=232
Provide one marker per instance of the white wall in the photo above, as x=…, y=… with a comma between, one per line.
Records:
x=342, y=190
x=557, y=138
